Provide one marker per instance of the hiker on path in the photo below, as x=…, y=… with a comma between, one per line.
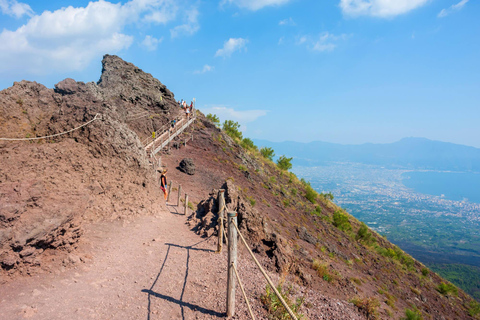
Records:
x=173, y=122
x=187, y=111
x=163, y=182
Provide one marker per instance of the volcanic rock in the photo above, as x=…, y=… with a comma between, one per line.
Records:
x=187, y=166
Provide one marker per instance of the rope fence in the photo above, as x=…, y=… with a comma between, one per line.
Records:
x=233, y=230
x=53, y=135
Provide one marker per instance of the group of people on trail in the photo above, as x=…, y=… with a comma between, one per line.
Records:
x=188, y=109
x=163, y=177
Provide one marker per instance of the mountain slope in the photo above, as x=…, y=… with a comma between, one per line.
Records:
x=53, y=189
x=411, y=153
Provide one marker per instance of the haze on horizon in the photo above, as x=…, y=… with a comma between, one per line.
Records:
x=340, y=71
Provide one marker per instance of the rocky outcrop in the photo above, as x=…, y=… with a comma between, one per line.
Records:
x=254, y=227
x=100, y=171
x=187, y=166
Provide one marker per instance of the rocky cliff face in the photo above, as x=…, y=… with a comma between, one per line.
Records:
x=48, y=187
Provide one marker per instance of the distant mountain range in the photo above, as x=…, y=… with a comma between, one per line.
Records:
x=410, y=153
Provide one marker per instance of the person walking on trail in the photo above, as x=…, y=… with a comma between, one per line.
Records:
x=187, y=112
x=163, y=182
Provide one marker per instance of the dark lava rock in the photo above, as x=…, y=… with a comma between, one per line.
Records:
x=187, y=166
x=304, y=235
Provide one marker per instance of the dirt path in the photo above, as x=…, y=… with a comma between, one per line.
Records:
x=150, y=268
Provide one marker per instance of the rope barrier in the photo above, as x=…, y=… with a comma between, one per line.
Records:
x=50, y=136
x=270, y=282
x=243, y=291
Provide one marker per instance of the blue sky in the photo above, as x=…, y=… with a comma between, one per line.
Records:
x=345, y=71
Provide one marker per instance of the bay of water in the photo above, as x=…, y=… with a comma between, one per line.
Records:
x=452, y=185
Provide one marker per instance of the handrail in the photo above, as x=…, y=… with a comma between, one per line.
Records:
x=171, y=136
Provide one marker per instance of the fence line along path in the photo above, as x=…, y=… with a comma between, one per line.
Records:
x=168, y=134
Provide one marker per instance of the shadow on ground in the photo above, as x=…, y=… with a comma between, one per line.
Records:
x=183, y=304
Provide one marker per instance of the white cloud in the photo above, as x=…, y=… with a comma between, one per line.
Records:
x=230, y=46
x=379, y=8
x=281, y=41
x=287, y=22
x=15, y=9
x=452, y=8
x=151, y=43
x=190, y=26
x=302, y=40
x=326, y=41
x=206, y=68
x=254, y=5
x=70, y=38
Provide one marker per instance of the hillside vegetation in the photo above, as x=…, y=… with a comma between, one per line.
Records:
x=312, y=241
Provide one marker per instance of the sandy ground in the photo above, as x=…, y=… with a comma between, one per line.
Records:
x=150, y=268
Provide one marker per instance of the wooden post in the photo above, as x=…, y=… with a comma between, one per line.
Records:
x=179, y=194
x=232, y=259
x=221, y=213
x=169, y=191
x=186, y=204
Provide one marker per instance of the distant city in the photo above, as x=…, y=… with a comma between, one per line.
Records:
x=378, y=197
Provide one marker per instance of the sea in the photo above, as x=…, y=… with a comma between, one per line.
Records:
x=457, y=186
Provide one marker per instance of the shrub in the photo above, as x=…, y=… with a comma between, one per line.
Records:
x=425, y=271
x=413, y=314
x=367, y=305
x=340, y=220
x=310, y=194
x=213, y=118
x=232, y=129
x=473, y=308
x=294, y=191
x=447, y=288
x=267, y=153
x=274, y=305
x=390, y=300
x=247, y=143
x=318, y=211
x=284, y=163
x=322, y=270
x=363, y=234
x=328, y=196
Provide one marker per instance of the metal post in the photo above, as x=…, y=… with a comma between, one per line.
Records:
x=186, y=204
x=169, y=191
x=221, y=213
x=232, y=259
x=179, y=194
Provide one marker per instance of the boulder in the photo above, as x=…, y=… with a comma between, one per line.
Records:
x=187, y=166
